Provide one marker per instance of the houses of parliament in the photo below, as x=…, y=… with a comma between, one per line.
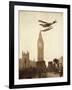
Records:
x=37, y=69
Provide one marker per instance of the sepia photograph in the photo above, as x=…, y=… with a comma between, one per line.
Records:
x=40, y=44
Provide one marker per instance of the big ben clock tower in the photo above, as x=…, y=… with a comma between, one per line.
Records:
x=40, y=47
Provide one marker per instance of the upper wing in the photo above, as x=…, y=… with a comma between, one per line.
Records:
x=42, y=21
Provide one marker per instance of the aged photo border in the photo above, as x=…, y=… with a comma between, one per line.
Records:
x=12, y=40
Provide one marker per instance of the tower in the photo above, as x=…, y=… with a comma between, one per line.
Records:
x=41, y=67
x=40, y=47
x=25, y=59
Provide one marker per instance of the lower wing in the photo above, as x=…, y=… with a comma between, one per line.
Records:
x=47, y=29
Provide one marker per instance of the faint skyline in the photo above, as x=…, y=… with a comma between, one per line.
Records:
x=29, y=31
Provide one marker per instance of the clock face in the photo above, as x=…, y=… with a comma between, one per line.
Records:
x=40, y=45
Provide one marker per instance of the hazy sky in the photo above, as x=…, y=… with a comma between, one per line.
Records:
x=29, y=29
